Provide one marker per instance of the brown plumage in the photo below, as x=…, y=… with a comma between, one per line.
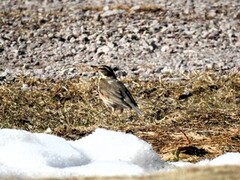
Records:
x=113, y=92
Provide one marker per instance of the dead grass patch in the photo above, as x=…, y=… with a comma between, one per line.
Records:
x=208, y=116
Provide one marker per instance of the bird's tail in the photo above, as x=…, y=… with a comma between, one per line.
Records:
x=138, y=111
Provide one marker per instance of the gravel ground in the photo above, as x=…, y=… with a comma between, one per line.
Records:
x=148, y=39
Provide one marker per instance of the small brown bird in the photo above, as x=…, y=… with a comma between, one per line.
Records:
x=113, y=92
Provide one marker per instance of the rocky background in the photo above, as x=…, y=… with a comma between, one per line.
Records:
x=145, y=39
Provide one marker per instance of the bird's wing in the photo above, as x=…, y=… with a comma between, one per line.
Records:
x=119, y=94
x=129, y=99
x=127, y=95
x=113, y=91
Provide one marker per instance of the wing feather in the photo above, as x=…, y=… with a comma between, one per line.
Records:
x=118, y=92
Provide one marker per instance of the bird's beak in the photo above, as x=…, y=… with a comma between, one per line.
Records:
x=94, y=67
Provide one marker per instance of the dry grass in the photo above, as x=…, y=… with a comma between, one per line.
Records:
x=203, y=108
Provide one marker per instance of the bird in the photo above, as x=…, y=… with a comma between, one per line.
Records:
x=113, y=92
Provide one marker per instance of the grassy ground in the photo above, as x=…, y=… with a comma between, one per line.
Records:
x=192, y=119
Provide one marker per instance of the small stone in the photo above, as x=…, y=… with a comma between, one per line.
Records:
x=106, y=8
x=26, y=66
x=50, y=35
x=25, y=87
x=103, y=49
x=97, y=17
x=112, y=13
x=136, y=8
x=48, y=130
x=165, y=48
x=39, y=71
x=237, y=15
x=211, y=14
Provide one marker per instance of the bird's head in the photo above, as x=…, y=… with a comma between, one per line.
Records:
x=105, y=71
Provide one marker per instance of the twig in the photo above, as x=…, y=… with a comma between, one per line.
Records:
x=187, y=138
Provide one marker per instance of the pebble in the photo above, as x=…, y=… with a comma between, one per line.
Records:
x=108, y=13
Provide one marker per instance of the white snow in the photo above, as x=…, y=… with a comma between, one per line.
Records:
x=104, y=152
x=112, y=146
x=229, y=158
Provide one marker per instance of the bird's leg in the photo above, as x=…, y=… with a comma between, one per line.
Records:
x=113, y=111
x=117, y=111
x=120, y=110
